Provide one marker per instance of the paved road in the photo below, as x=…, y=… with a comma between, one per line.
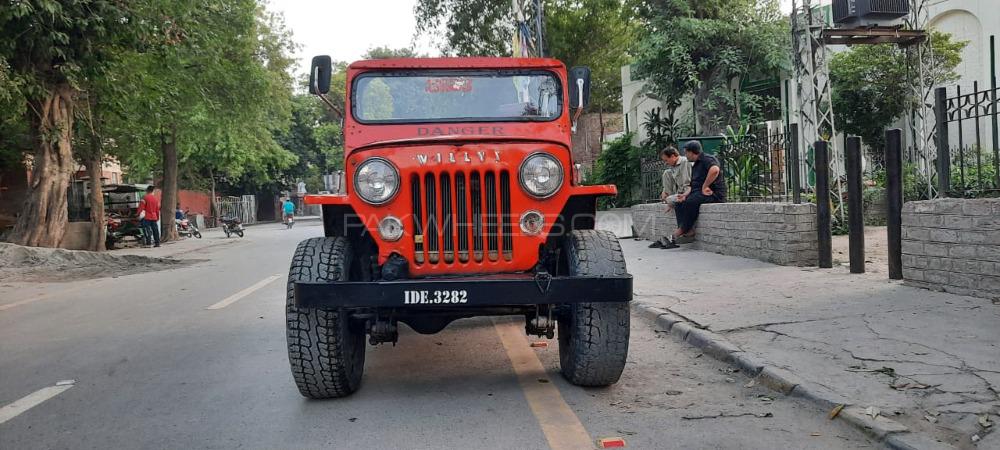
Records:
x=154, y=368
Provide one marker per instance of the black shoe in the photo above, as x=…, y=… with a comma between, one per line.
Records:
x=669, y=245
x=656, y=244
x=157, y=245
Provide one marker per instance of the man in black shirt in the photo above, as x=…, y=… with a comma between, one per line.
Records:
x=707, y=186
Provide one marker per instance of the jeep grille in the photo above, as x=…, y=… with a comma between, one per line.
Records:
x=460, y=217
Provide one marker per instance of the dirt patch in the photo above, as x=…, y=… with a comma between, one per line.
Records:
x=19, y=263
x=876, y=250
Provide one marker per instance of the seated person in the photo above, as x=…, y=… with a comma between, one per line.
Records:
x=676, y=178
x=707, y=186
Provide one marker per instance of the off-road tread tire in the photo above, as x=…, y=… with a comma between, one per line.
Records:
x=326, y=356
x=593, y=337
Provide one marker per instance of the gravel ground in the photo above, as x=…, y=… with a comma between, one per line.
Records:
x=19, y=263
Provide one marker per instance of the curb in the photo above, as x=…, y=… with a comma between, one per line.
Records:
x=890, y=432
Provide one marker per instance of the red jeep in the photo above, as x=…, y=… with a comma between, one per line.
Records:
x=459, y=199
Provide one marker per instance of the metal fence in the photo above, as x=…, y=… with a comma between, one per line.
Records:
x=243, y=208
x=969, y=136
x=756, y=169
x=759, y=169
x=651, y=179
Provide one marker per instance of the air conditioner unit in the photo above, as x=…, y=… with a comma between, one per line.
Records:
x=860, y=13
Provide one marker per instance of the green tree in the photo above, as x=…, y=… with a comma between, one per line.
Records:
x=593, y=33
x=871, y=83
x=210, y=93
x=704, y=47
x=383, y=52
x=48, y=52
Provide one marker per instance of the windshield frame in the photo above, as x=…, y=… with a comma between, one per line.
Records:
x=455, y=73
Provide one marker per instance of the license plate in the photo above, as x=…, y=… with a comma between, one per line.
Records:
x=435, y=297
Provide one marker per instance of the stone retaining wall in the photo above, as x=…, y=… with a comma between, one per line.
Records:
x=779, y=233
x=953, y=245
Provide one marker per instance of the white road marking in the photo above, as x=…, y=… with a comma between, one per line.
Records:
x=32, y=400
x=250, y=290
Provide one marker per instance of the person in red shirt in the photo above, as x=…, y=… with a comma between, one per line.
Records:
x=149, y=215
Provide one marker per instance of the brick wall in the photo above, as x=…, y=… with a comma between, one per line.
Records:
x=587, y=139
x=779, y=233
x=953, y=245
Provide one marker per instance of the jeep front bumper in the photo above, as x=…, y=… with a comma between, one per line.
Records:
x=493, y=290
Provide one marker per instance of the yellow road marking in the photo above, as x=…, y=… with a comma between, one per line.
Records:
x=561, y=426
x=250, y=290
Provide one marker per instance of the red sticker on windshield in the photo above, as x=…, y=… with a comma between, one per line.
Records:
x=452, y=84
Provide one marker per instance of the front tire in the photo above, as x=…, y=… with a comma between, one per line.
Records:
x=326, y=353
x=197, y=234
x=239, y=233
x=593, y=337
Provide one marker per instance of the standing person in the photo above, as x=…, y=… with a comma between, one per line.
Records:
x=149, y=215
x=288, y=209
x=676, y=179
x=707, y=186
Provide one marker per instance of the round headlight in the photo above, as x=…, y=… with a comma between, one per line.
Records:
x=376, y=181
x=541, y=175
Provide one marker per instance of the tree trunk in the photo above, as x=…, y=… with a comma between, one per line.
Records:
x=45, y=213
x=600, y=118
x=168, y=197
x=98, y=231
x=214, y=210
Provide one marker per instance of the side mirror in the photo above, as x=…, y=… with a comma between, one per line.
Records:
x=579, y=87
x=319, y=75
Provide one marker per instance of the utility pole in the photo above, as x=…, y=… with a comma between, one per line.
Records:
x=540, y=26
x=812, y=73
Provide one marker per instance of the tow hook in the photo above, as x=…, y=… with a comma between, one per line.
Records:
x=543, y=280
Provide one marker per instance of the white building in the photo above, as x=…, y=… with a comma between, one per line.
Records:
x=976, y=21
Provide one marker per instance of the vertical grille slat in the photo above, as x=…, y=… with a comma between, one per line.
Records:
x=447, y=220
x=461, y=219
x=433, y=220
x=418, y=229
x=492, y=231
x=508, y=229
x=477, y=216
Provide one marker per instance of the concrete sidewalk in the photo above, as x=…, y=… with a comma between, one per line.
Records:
x=927, y=360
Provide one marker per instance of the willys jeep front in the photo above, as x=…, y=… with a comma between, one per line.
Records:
x=459, y=198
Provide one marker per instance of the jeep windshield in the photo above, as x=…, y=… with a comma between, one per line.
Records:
x=456, y=96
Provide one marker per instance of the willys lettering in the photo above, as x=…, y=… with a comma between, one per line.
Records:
x=461, y=131
x=458, y=157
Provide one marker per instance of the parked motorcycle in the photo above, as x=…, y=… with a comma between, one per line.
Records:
x=187, y=228
x=119, y=228
x=231, y=226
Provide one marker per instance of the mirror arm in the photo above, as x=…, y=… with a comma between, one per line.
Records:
x=322, y=96
x=579, y=105
x=330, y=104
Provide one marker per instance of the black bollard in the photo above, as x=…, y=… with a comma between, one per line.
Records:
x=823, y=205
x=855, y=207
x=894, y=200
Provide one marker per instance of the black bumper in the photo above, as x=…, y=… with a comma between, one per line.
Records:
x=464, y=292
